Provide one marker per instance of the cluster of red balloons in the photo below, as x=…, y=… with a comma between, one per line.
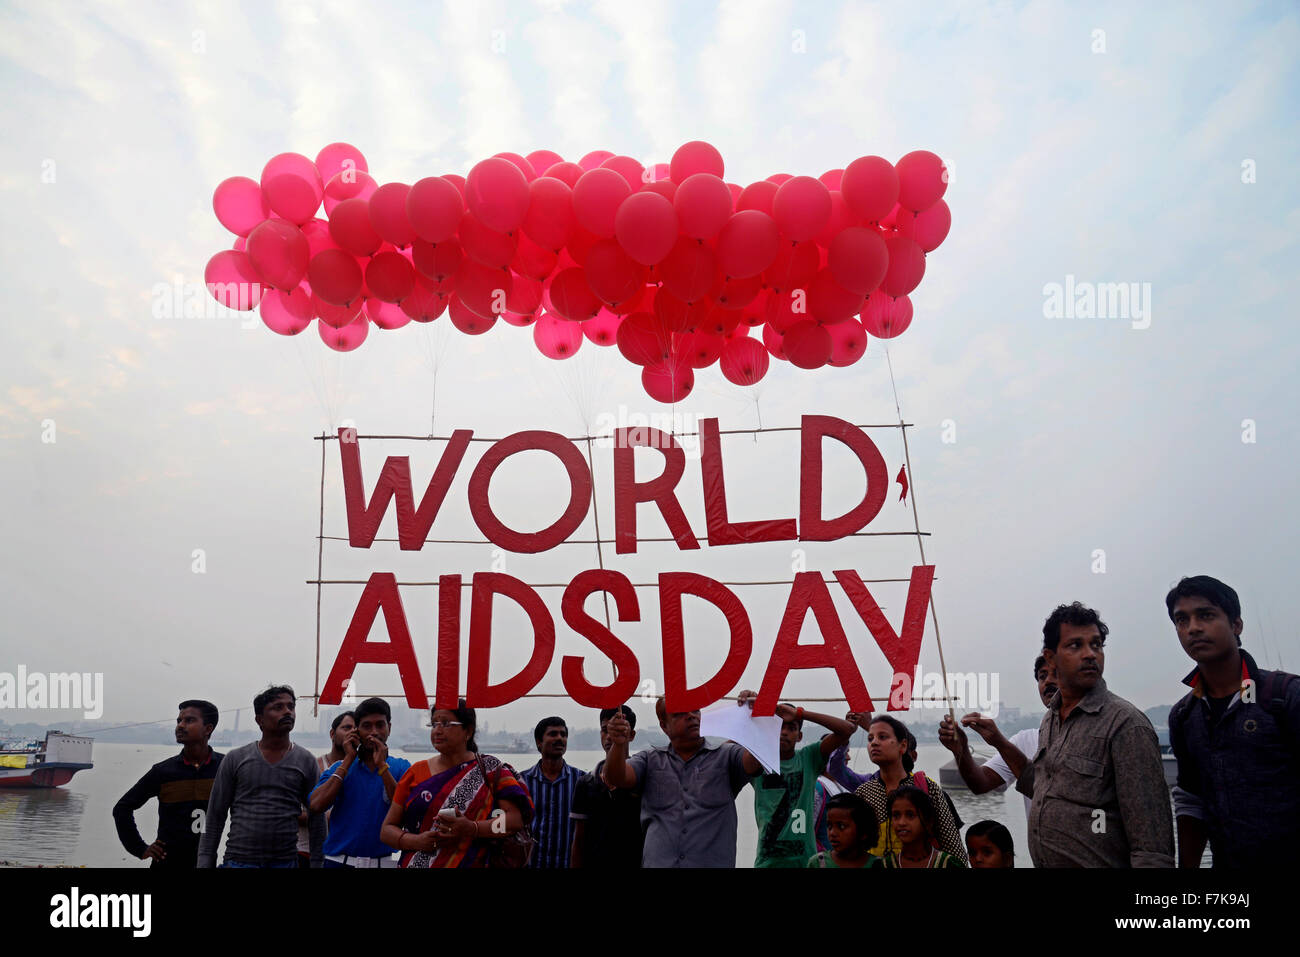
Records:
x=671, y=264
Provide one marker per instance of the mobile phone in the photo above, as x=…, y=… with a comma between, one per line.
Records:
x=448, y=814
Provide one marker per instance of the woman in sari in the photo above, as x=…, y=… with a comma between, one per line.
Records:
x=443, y=810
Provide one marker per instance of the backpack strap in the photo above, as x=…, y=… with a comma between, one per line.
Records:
x=1272, y=695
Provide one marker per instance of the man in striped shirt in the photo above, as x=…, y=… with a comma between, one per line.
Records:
x=551, y=782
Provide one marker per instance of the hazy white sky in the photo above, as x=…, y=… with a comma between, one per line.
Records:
x=1160, y=150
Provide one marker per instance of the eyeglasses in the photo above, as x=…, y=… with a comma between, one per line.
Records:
x=446, y=724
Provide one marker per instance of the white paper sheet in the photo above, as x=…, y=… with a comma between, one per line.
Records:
x=761, y=737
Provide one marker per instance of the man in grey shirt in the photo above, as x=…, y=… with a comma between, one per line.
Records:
x=1098, y=787
x=263, y=786
x=688, y=790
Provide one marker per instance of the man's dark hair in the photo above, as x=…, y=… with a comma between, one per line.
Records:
x=207, y=710
x=607, y=713
x=1039, y=663
x=269, y=695
x=338, y=720
x=552, y=722
x=997, y=835
x=466, y=716
x=373, y=706
x=864, y=818
x=1075, y=613
x=1218, y=594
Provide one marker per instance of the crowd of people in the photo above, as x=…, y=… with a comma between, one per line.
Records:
x=1091, y=776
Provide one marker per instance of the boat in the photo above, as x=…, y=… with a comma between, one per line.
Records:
x=45, y=764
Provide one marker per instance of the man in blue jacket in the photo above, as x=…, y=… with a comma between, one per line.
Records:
x=1235, y=735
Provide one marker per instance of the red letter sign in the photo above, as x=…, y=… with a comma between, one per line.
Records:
x=627, y=671
x=677, y=696
x=380, y=592
x=812, y=527
x=903, y=650
x=566, y=525
x=480, y=693
x=628, y=491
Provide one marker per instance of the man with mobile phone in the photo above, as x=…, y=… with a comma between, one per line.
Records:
x=358, y=789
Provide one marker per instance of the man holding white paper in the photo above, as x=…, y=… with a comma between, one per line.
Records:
x=688, y=790
x=784, y=798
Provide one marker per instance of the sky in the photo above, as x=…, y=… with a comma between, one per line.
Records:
x=162, y=478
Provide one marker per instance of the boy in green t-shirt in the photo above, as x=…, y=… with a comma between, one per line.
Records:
x=784, y=802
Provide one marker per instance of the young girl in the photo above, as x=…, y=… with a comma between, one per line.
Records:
x=851, y=831
x=911, y=814
x=891, y=748
x=989, y=845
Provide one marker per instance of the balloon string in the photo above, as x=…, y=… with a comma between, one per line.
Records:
x=920, y=541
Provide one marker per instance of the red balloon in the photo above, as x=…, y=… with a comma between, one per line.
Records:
x=596, y=199
x=349, y=184
x=801, y=207
x=434, y=208
x=784, y=309
x=643, y=300
x=483, y=289
x=793, y=267
x=542, y=160
x=612, y=274
x=317, y=232
x=779, y=178
x=885, y=317
x=703, y=205
x=664, y=187
x=929, y=227
x=828, y=301
x=386, y=315
x=496, y=192
x=870, y=187
x=700, y=349
x=240, y=204
x=348, y=337
x=437, y=262
x=532, y=260
x=668, y=381
x=557, y=338
x=579, y=245
x=351, y=228
x=286, y=313
x=279, y=252
x=456, y=180
x=388, y=214
x=641, y=340
x=339, y=158
x=628, y=168
x=738, y=293
x=567, y=173
x=335, y=277
x=906, y=266
x=425, y=303
x=688, y=272
x=571, y=297
x=695, y=157
x=390, y=276
x=757, y=196
x=646, y=227
x=748, y=244
x=922, y=180
x=603, y=329
x=832, y=179
x=233, y=281
x=858, y=259
x=807, y=344
x=593, y=159
x=524, y=297
x=524, y=165
x=292, y=187
x=848, y=343
x=549, y=221
x=772, y=342
x=485, y=245
x=841, y=218
x=466, y=320
x=744, y=361
x=336, y=316
x=672, y=314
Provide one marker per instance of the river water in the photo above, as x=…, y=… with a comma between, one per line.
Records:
x=73, y=825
